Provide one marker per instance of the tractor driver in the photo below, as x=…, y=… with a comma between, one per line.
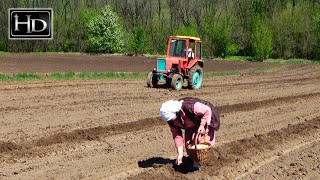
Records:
x=191, y=51
x=190, y=54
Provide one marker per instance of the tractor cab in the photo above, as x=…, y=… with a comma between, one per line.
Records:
x=183, y=63
x=185, y=49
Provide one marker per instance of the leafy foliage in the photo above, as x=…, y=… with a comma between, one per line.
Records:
x=138, y=44
x=227, y=28
x=292, y=29
x=185, y=31
x=104, y=33
x=217, y=30
x=317, y=33
x=261, y=39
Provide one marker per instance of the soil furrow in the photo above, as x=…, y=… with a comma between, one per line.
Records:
x=96, y=133
x=230, y=154
x=276, y=157
x=42, y=85
x=79, y=135
x=224, y=109
x=100, y=128
x=264, y=82
x=247, y=106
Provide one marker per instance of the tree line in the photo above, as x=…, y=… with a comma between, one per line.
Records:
x=257, y=28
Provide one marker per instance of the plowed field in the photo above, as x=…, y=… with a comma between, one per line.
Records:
x=111, y=129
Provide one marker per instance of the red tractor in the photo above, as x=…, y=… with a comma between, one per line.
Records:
x=182, y=65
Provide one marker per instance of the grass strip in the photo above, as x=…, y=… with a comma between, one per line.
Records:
x=293, y=61
x=111, y=75
x=58, y=75
x=25, y=76
x=20, y=76
x=290, y=61
x=221, y=73
x=261, y=69
x=238, y=58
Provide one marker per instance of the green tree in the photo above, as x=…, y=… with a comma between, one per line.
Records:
x=217, y=30
x=85, y=16
x=292, y=31
x=137, y=44
x=317, y=32
x=157, y=39
x=104, y=32
x=261, y=39
x=185, y=31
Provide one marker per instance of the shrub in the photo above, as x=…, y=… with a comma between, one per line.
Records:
x=104, y=32
x=261, y=39
x=218, y=35
x=317, y=32
x=185, y=31
x=292, y=31
x=138, y=44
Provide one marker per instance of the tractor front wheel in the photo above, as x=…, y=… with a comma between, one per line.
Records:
x=195, y=77
x=177, y=82
x=152, y=80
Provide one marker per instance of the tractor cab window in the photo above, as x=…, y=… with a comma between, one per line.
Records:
x=198, y=50
x=178, y=48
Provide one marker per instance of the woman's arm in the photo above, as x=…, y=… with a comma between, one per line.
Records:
x=178, y=140
x=204, y=111
x=176, y=134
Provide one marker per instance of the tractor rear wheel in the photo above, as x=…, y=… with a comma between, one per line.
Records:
x=152, y=80
x=177, y=82
x=195, y=77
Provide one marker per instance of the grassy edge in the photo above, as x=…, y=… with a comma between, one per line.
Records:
x=292, y=61
x=25, y=76
x=270, y=60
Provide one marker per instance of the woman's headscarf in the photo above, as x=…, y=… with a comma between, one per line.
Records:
x=169, y=109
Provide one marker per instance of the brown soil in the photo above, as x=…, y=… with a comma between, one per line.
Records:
x=40, y=63
x=110, y=129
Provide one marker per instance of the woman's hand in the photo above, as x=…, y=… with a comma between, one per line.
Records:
x=179, y=159
x=201, y=129
x=180, y=155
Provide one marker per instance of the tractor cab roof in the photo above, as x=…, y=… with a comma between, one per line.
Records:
x=186, y=37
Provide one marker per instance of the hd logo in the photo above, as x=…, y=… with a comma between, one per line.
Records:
x=30, y=23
